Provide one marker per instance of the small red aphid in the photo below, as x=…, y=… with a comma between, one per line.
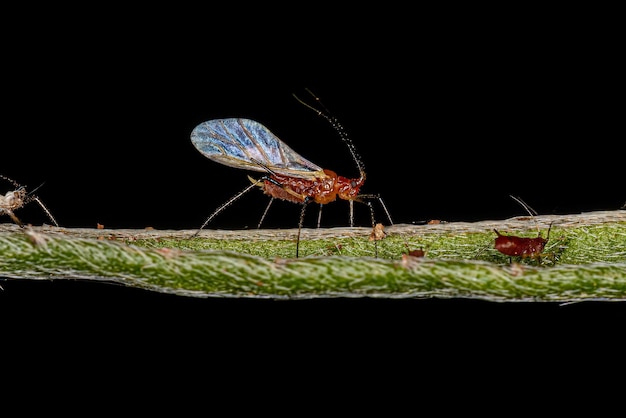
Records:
x=417, y=253
x=523, y=247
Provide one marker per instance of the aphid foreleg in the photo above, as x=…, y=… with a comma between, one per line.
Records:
x=380, y=200
x=12, y=216
x=45, y=209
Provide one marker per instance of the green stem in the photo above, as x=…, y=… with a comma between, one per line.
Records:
x=582, y=261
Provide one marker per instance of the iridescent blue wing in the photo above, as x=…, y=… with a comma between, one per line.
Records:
x=246, y=144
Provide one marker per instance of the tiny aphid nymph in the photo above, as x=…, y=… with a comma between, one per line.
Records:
x=247, y=144
x=16, y=199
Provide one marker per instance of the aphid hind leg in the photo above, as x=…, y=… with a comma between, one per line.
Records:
x=224, y=206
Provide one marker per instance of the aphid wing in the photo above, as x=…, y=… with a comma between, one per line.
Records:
x=246, y=144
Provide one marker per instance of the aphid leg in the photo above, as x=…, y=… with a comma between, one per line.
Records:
x=367, y=199
x=14, y=217
x=31, y=196
x=319, y=216
x=12, y=200
x=380, y=200
x=267, y=208
x=224, y=206
x=351, y=202
x=300, y=223
x=45, y=209
x=369, y=204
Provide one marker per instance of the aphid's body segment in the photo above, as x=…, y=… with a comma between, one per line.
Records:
x=16, y=199
x=247, y=144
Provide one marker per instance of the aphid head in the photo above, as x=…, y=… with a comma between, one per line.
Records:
x=349, y=189
x=15, y=199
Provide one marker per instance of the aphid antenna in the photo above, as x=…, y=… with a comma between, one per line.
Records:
x=348, y=141
x=13, y=182
x=337, y=126
x=32, y=192
x=532, y=212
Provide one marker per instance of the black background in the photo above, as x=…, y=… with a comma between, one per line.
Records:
x=451, y=115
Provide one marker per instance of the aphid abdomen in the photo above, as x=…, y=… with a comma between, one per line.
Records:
x=297, y=190
x=290, y=191
x=519, y=246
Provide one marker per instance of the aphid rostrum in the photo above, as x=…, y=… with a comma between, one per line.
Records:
x=16, y=199
x=524, y=247
x=247, y=144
